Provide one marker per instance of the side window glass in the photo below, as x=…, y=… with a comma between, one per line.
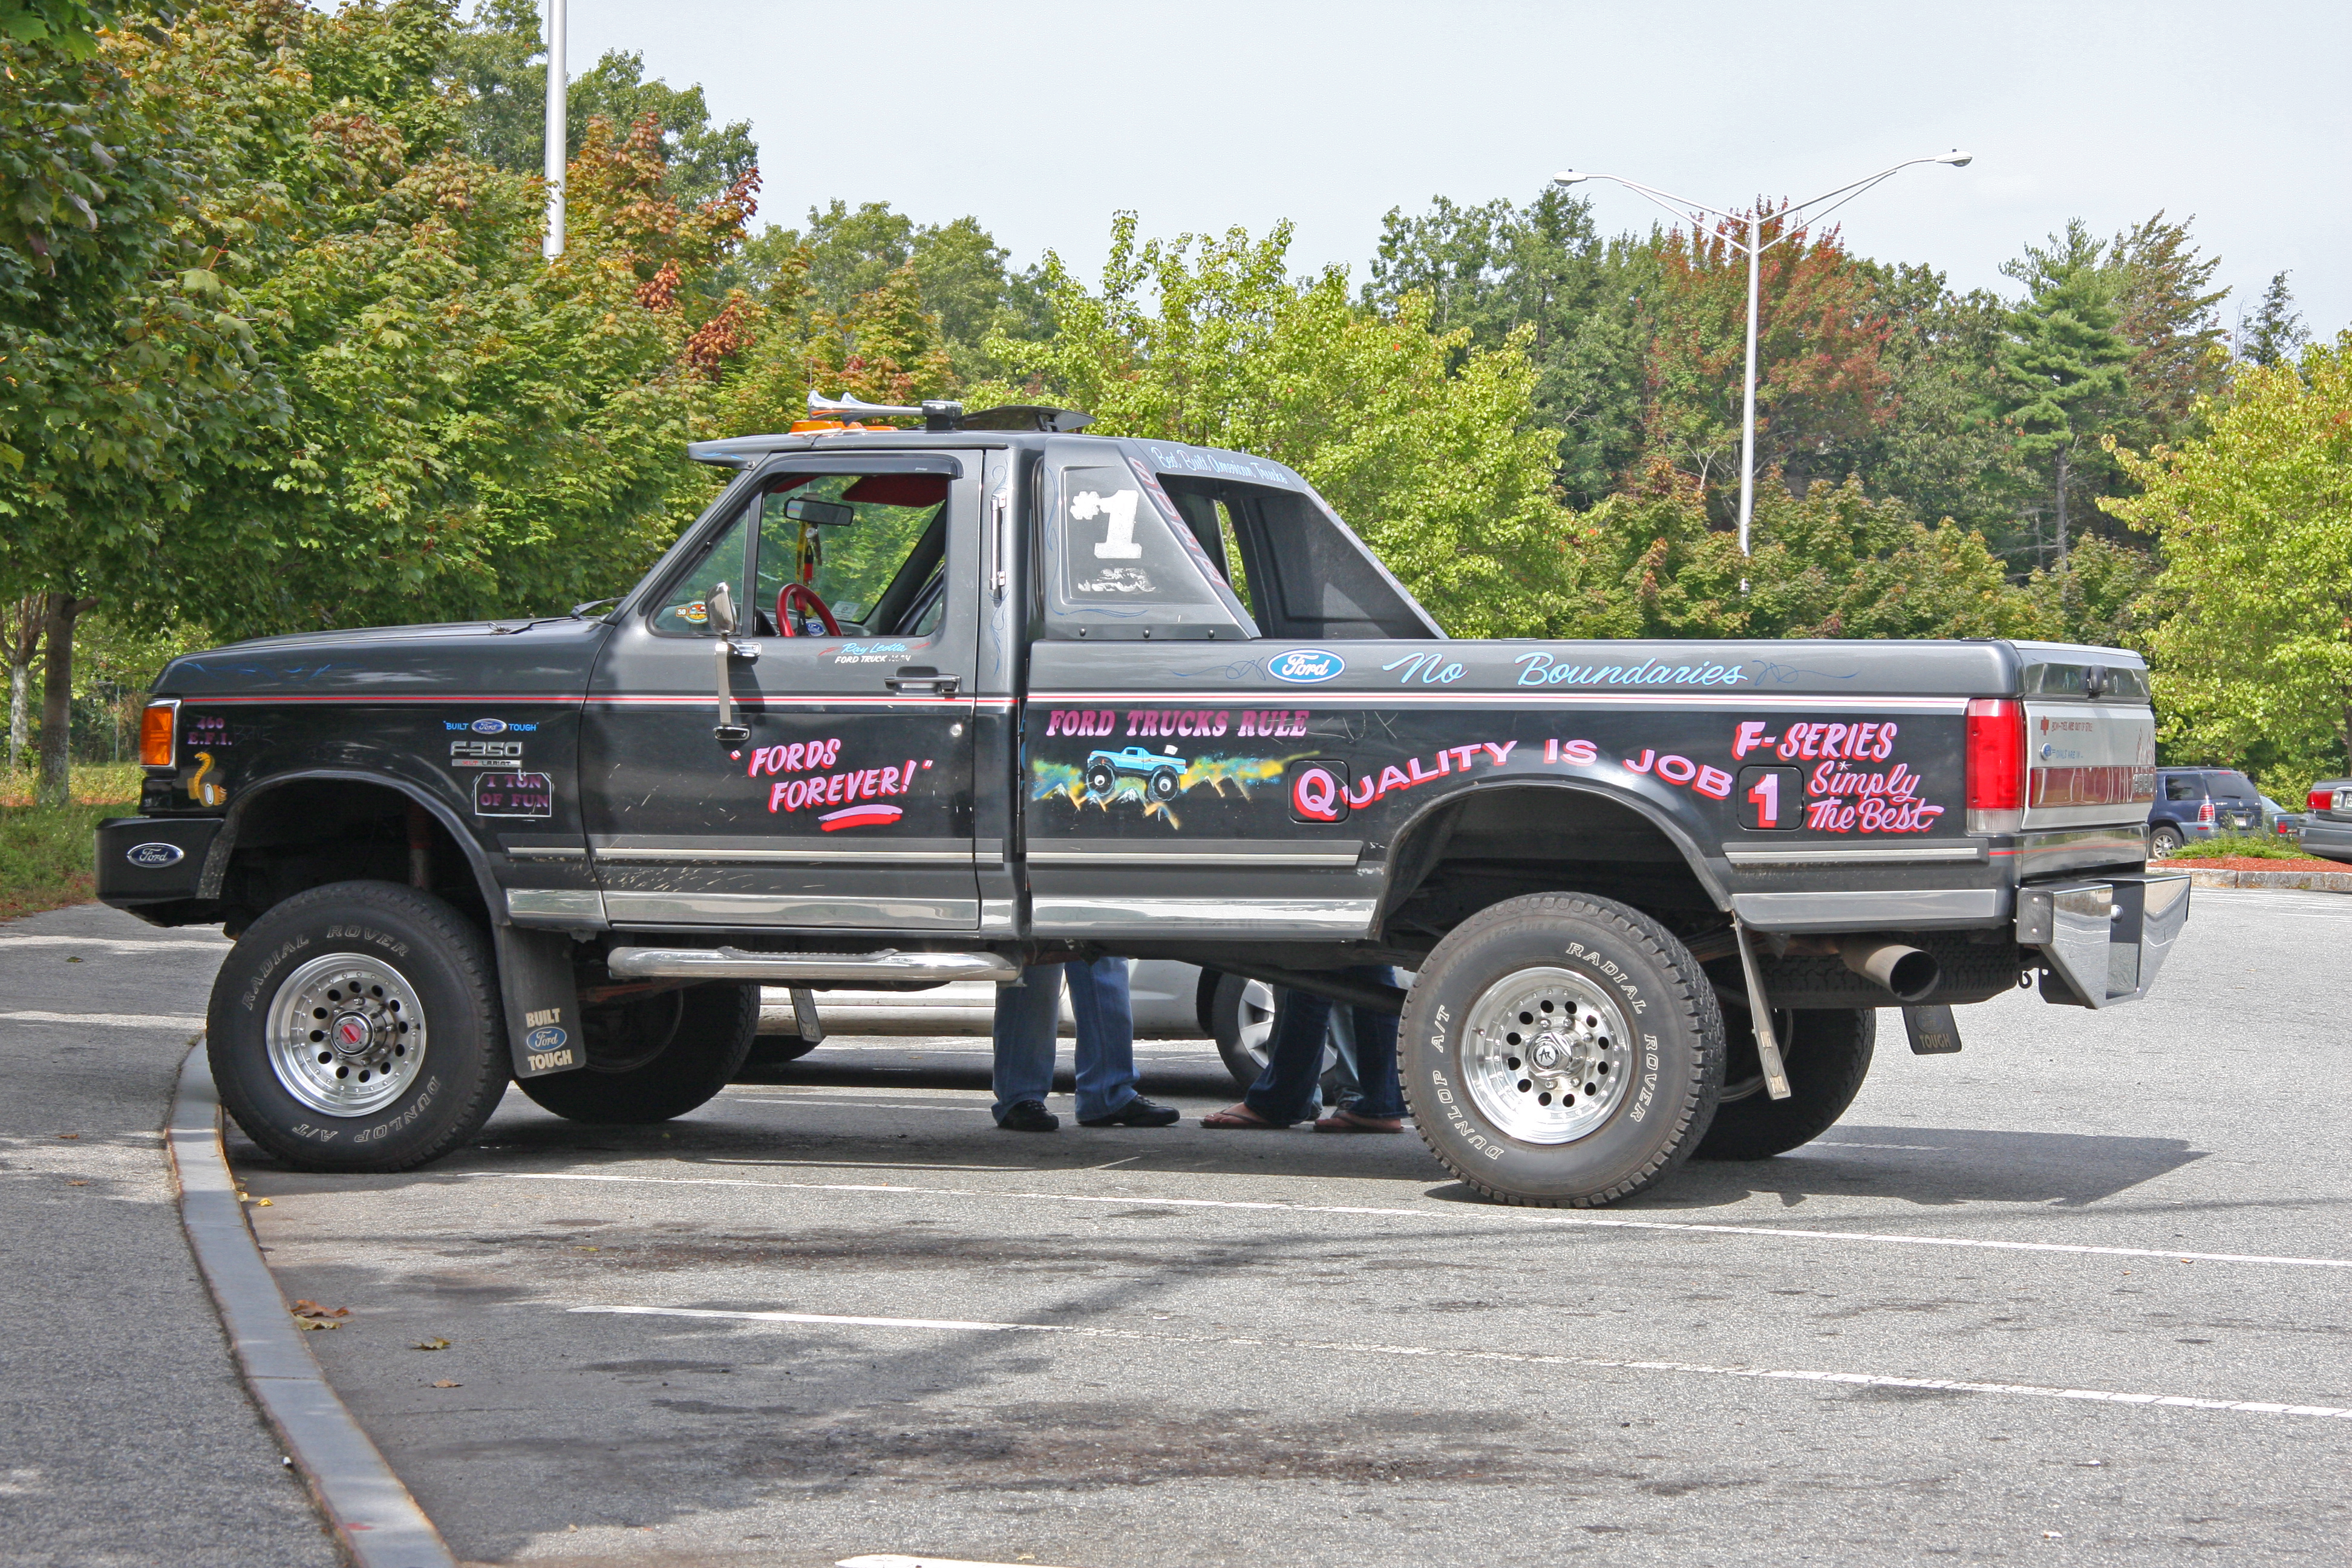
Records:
x=685, y=609
x=869, y=545
x=2181, y=786
x=1114, y=555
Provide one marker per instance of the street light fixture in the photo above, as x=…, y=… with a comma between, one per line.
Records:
x=1754, y=246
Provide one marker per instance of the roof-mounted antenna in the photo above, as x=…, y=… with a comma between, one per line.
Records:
x=936, y=413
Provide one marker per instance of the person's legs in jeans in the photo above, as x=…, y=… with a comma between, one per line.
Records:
x=1026, y=1013
x=1379, y=1095
x=1105, y=1021
x=1287, y=1091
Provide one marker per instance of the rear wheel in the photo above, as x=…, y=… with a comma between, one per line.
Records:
x=357, y=1028
x=651, y=1059
x=1241, y=1020
x=1562, y=1050
x=2165, y=840
x=1827, y=1054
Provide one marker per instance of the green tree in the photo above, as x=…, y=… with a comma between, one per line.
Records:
x=2275, y=333
x=132, y=365
x=1833, y=562
x=1427, y=446
x=2256, y=521
x=2063, y=366
x=495, y=71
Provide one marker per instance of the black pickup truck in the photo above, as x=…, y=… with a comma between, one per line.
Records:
x=908, y=706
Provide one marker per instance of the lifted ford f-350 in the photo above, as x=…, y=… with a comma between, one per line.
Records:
x=906, y=707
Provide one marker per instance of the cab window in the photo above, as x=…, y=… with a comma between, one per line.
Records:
x=1117, y=565
x=870, y=545
x=685, y=609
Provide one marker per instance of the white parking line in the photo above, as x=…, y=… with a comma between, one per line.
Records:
x=1437, y=1352
x=107, y=1020
x=120, y=944
x=1130, y=1200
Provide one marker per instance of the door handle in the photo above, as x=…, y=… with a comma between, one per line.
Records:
x=923, y=680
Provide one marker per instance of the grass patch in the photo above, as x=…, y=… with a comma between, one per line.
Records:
x=44, y=856
x=2273, y=847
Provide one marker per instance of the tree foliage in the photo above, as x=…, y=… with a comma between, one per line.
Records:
x=2256, y=521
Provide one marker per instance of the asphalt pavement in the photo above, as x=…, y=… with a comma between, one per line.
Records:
x=126, y=1436
x=2070, y=1295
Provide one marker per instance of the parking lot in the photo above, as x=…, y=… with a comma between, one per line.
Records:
x=2080, y=1291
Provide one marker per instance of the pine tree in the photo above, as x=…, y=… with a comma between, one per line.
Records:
x=2063, y=364
x=2276, y=332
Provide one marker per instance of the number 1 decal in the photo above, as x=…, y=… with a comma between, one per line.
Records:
x=1772, y=799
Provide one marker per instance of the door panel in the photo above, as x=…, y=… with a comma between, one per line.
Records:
x=848, y=802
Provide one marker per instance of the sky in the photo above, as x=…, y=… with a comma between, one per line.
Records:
x=1041, y=120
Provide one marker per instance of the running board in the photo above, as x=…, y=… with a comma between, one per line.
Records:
x=790, y=968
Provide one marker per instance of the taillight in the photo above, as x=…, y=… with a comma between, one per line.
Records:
x=2205, y=812
x=1996, y=764
x=2319, y=799
x=158, y=727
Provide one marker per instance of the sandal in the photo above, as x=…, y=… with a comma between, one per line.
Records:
x=1240, y=1116
x=1348, y=1121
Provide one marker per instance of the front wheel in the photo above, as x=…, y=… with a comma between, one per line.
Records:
x=1827, y=1054
x=357, y=1028
x=658, y=1057
x=1562, y=1050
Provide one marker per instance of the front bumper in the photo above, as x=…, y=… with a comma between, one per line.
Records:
x=2104, y=941
x=153, y=859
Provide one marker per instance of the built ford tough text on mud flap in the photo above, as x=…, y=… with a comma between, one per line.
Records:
x=915, y=705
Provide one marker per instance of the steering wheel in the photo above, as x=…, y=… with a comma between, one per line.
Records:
x=807, y=595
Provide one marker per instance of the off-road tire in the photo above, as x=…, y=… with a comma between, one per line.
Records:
x=1164, y=783
x=1827, y=1054
x=1101, y=779
x=1675, y=1042
x=716, y=1026
x=2164, y=841
x=441, y=955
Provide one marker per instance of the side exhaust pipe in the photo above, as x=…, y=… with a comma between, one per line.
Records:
x=1912, y=975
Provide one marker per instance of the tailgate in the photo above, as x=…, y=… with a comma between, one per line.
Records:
x=2088, y=763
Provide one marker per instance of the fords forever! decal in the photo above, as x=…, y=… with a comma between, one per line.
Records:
x=1306, y=666
x=154, y=854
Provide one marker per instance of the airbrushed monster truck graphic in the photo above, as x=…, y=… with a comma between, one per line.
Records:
x=1160, y=774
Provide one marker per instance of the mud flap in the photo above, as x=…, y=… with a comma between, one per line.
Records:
x=1932, y=1030
x=543, y=1001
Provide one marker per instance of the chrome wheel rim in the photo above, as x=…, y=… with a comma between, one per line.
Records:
x=1546, y=1055
x=346, y=1034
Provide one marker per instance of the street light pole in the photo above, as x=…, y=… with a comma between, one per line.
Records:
x=1755, y=245
x=558, y=94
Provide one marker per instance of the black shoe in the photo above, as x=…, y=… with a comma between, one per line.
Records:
x=1029, y=1116
x=1137, y=1112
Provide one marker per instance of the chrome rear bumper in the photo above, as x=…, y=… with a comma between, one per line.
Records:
x=2105, y=941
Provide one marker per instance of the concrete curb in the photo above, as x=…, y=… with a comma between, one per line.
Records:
x=2302, y=881
x=374, y=1519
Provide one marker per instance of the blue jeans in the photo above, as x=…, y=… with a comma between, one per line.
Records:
x=1026, y=1013
x=1286, y=1091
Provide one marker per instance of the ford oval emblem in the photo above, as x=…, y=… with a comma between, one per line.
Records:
x=154, y=854
x=1306, y=666
x=489, y=726
x=547, y=1039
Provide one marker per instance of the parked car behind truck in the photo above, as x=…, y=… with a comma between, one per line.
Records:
x=848, y=733
x=2327, y=828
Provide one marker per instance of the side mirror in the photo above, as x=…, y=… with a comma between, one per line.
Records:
x=721, y=607
x=820, y=513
